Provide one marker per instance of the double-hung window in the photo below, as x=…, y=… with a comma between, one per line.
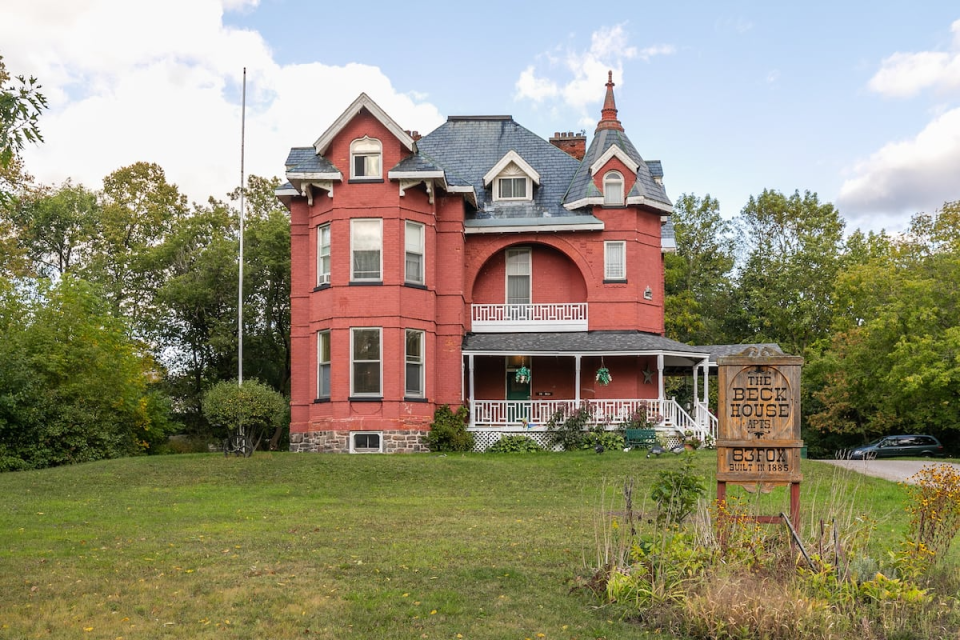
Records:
x=518, y=283
x=323, y=364
x=366, y=240
x=512, y=188
x=323, y=255
x=613, y=189
x=413, y=241
x=365, y=359
x=414, y=364
x=365, y=155
x=615, y=260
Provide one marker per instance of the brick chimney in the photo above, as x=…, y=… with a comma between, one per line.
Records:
x=572, y=143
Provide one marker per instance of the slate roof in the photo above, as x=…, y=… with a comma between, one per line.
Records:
x=717, y=351
x=582, y=185
x=575, y=342
x=469, y=146
x=306, y=160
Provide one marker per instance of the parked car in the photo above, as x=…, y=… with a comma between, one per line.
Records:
x=893, y=446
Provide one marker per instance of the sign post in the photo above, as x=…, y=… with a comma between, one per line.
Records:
x=758, y=431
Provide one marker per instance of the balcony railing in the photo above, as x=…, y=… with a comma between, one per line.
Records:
x=558, y=316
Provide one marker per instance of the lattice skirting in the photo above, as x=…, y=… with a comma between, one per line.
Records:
x=485, y=439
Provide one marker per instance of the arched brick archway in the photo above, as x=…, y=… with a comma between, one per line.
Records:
x=560, y=274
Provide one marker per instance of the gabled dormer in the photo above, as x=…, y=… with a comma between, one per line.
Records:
x=512, y=178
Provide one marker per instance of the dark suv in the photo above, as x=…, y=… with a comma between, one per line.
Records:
x=892, y=446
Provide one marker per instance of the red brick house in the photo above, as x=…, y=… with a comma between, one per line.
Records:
x=429, y=271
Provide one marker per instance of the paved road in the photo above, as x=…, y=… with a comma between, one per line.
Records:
x=894, y=470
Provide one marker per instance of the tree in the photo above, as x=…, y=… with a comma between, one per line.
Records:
x=20, y=105
x=893, y=362
x=698, y=274
x=139, y=209
x=253, y=405
x=73, y=386
x=793, y=247
x=54, y=227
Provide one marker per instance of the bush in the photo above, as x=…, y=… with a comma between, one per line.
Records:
x=448, y=431
x=514, y=444
x=568, y=428
x=677, y=492
x=255, y=405
x=609, y=440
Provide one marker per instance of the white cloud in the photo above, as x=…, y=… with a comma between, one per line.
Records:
x=584, y=69
x=906, y=74
x=908, y=176
x=170, y=93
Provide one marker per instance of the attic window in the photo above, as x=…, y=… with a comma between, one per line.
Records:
x=613, y=189
x=512, y=188
x=365, y=154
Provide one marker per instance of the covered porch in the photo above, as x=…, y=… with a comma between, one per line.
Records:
x=564, y=374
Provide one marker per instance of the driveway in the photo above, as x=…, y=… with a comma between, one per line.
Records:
x=893, y=470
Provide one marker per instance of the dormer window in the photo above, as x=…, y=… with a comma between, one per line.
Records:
x=365, y=154
x=613, y=189
x=511, y=178
x=512, y=188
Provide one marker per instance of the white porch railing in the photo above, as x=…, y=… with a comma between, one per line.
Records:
x=708, y=421
x=557, y=316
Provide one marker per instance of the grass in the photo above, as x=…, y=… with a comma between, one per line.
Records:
x=333, y=546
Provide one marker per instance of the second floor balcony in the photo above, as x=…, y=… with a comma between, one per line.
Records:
x=502, y=318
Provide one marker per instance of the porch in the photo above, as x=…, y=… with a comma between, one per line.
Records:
x=515, y=383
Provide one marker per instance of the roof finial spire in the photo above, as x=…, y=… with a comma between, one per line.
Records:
x=608, y=117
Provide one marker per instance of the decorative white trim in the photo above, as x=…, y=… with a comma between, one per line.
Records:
x=362, y=101
x=514, y=157
x=306, y=189
x=314, y=176
x=416, y=175
x=375, y=149
x=587, y=226
x=597, y=201
x=614, y=152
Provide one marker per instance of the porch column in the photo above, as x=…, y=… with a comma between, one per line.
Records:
x=473, y=397
x=706, y=381
x=576, y=385
x=696, y=387
x=660, y=378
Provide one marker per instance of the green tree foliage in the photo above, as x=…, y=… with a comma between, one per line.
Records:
x=893, y=360
x=139, y=209
x=698, y=275
x=253, y=405
x=20, y=105
x=73, y=386
x=792, y=254
x=54, y=227
x=448, y=431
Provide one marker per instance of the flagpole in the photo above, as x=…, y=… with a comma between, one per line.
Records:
x=243, y=127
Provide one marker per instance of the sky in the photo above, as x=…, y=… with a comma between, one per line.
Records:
x=858, y=101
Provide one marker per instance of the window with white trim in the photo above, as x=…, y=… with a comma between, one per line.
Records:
x=366, y=442
x=513, y=188
x=414, y=364
x=323, y=364
x=323, y=254
x=366, y=241
x=365, y=155
x=518, y=294
x=365, y=369
x=413, y=241
x=615, y=260
x=613, y=189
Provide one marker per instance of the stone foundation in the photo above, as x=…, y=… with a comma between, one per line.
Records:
x=339, y=442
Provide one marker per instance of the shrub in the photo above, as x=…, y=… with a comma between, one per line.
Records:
x=934, y=509
x=609, y=440
x=514, y=444
x=676, y=492
x=568, y=428
x=448, y=431
x=255, y=405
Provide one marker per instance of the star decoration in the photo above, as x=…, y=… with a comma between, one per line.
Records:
x=647, y=376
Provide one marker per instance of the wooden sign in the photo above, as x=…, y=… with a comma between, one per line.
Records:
x=758, y=434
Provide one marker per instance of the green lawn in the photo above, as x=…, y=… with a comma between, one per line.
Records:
x=335, y=546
